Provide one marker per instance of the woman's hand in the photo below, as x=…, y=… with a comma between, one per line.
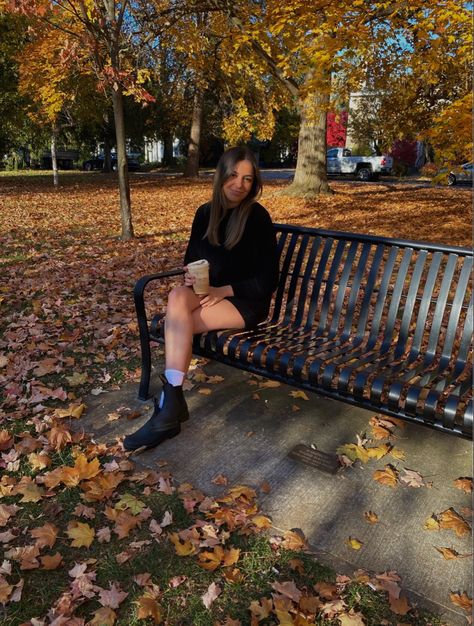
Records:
x=216, y=294
x=189, y=280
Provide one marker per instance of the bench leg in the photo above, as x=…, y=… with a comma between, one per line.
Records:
x=143, y=390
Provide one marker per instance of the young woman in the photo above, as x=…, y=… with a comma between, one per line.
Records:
x=235, y=234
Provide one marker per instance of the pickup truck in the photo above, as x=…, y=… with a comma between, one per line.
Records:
x=340, y=161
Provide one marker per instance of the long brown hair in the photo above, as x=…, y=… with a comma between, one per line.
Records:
x=238, y=219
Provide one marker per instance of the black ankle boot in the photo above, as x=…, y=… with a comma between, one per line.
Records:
x=165, y=423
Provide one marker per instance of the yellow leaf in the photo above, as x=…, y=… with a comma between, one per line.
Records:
x=39, y=461
x=231, y=557
x=354, y=452
x=397, y=454
x=299, y=394
x=379, y=451
x=81, y=533
x=269, y=384
x=353, y=543
x=77, y=379
x=211, y=560
x=431, y=523
x=261, y=521
x=29, y=490
x=105, y=616
x=183, y=548
x=129, y=501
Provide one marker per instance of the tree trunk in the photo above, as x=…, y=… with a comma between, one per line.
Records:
x=310, y=175
x=168, y=158
x=192, y=162
x=107, y=155
x=54, y=158
x=122, y=168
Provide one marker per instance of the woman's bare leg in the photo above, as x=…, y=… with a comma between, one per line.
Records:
x=185, y=318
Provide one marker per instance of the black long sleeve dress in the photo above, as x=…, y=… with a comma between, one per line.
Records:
x=250, y=267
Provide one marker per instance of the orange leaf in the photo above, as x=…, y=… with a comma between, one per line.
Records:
x=387, y=476
x=183, y=548
x=371, y=517
x=449, y=519
x=45, y=535
x=51, y=562
x=462, y=600
x=464, y=483
x=400, y=605
x=149, y=607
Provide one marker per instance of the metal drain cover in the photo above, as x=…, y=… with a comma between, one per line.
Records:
x=315, y=458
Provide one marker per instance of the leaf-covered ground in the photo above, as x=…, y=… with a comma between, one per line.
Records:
x=87, y=538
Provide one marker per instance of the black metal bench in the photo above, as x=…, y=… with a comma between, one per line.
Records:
x=380, y=323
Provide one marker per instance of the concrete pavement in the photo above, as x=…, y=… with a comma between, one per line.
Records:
x=248, y=438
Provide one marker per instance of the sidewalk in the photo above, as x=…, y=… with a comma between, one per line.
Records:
x=248, y=441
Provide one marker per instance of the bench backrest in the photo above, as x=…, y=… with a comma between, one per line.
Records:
x=415, y=298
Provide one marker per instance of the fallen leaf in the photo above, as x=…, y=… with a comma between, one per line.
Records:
x=45, y=535
x=205, y=391
x=379, y=451
x=353, y=543
x=351, y=619
x=130, y=502
x=265, y=487
x=176, y=581
x=397, y=454
x=51, y=562
x=269, y=384
x=293, y=541
x=212, y=593
x=450, y=554
x=353, y=452
x=371, y=517
x=262, y=608
x=387, y=476
x=449, y=519
x=82, y=534
x=400, y=605
x=105, y=616
x=411, y=478
x=464, y=483
x=182, y=548
x=462, y=600
x=299, y=394
x=148, y=607
x=220, y=479
x=288, y=589
x=431, y=523
x=112, y=597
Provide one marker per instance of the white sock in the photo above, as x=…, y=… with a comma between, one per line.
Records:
x=175, y=378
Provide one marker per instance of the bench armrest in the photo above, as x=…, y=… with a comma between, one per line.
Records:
x=138, y=296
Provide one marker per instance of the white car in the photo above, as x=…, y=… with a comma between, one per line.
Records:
x=462, y=174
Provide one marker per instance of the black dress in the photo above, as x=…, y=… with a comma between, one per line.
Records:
x=250, y=267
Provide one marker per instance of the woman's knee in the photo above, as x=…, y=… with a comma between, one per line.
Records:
x=181, y=298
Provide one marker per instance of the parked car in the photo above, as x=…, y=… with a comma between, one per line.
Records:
x=462, y=174
x=97, y=163
x=340, y=161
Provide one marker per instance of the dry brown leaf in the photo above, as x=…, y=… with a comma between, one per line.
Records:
x=387, y=476
x=464, y=483
x=371, y=517
x=462, y=600
x=148, y=607
x=262, y=608
x=351, y=619
x=449, y=553
x=112, y=597
x=265, y=487
x=51, y=562
x=212, y=593
x=45, y=535
x=293, y=541
x=269, y=384
x=220, y=479
x=288, y=589
x=105, y=616
x=400, y=605
x=449, y=519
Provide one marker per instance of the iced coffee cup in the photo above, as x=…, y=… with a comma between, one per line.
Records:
x=200, y=271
